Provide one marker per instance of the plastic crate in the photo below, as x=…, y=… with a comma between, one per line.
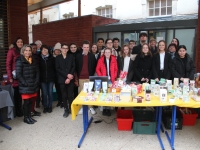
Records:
x=124, y=119
x=144, y=127
x=189, y=119
x=167, y=120
x=143, y=115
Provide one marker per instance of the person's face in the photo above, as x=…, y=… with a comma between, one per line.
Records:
x=153, y=43
x=109, y=44
x=27, y=52
x=107, y=53
x=86, y=48
x=116, y=43
x=19, y=43
x=143, y=38
x=131, y=45
x=145, y=49
x=44, y=51
x=34, y=49
x=175, y=41
x=172, y=49
x=38, y=45
x=126, y=50
x=100, y=43
x=73, y=48
x=182, y=52
x=64, y=49
x=94, y=49
x=57, y=52
x=161, y=46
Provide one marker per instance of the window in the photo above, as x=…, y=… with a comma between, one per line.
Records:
x=160, y=7
x=105, y=11
x=69, y=15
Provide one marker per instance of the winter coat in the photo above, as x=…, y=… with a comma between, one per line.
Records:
x=156, y=65
x=101, y=68
x=137, y=49
x=142, y=67
x=27, y=75
x=64, y=67
x=91, y=63
x=12, y=55
x=120, y=62
x=180, y=71
x=47, y=69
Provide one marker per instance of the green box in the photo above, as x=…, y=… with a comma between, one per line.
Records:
x=144, y=127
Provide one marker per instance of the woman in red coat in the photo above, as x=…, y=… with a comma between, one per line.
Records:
x=107, y=66
x=12, y=55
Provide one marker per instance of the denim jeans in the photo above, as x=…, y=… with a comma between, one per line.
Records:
x=47, y=93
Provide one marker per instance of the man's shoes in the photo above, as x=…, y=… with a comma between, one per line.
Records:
x=104, y=112
x=45, y=110
x=49, y=109
x=59, y=103
x=66, y=113
x=92, y=111
x=27, y=120
x=35, y=113
x=108, y=112
x=80, y=111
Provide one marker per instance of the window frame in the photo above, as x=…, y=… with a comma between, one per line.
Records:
x=99, y=11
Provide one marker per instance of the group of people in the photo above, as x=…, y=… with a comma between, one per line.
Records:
x=33, y=67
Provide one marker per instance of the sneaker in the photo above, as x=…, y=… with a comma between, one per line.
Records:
x=35, y=113
x=92, y=111
x=49, y=109
x=45, y=110
x=80, y=111
x=61, y=105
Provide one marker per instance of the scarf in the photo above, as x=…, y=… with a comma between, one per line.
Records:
x=29, y=60
x=45, y=57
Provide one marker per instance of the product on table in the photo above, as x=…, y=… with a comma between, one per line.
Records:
x=163, y=95
x=91, y=84
x=148, y=95
x=169, y=85
x=116, y=98
x=192, y=84
x=176, y=83
x=85, y=87
x=138, y=99
x=97, y=85
x=186, y=81
x=104, y=87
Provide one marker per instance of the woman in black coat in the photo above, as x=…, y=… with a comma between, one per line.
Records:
x=161, y=62
x=65, y=66
x=125, y=63
x=27, y=74
x=183, y=65
x=47, y=77
x=142, y=65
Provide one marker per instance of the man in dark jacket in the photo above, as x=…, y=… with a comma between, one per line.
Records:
x=85, y=65
x=153, y=47
x=136, y=50
x=116, y=45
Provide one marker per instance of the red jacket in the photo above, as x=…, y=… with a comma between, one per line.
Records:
x=12, y=55
x=101, y=68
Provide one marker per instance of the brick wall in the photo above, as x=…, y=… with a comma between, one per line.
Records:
x=18, y=20
x=69, y=30
x=197, y=60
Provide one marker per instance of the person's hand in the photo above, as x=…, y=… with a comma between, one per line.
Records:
x=147, y=80
x=181, y=79
x=70, y=77
x=67, y=81
x=157, y=80
x=11, y=80
x=143, y=79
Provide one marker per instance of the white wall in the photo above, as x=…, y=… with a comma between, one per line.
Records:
x=187, y=7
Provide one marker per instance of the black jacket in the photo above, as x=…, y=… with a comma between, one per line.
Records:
x=120, y=62
x=91, y=63
x=47, y=69
x=118, y=49
x=27, y=75
x=153, y=51
x=156, y=66
x=137, y=49
x=64, y=67
x=142, y=67
x=180, y=71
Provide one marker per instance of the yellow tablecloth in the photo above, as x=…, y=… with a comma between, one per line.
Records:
x=155, y=101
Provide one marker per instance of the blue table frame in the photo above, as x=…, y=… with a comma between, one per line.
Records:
x=4, y=125
x=86, y=124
